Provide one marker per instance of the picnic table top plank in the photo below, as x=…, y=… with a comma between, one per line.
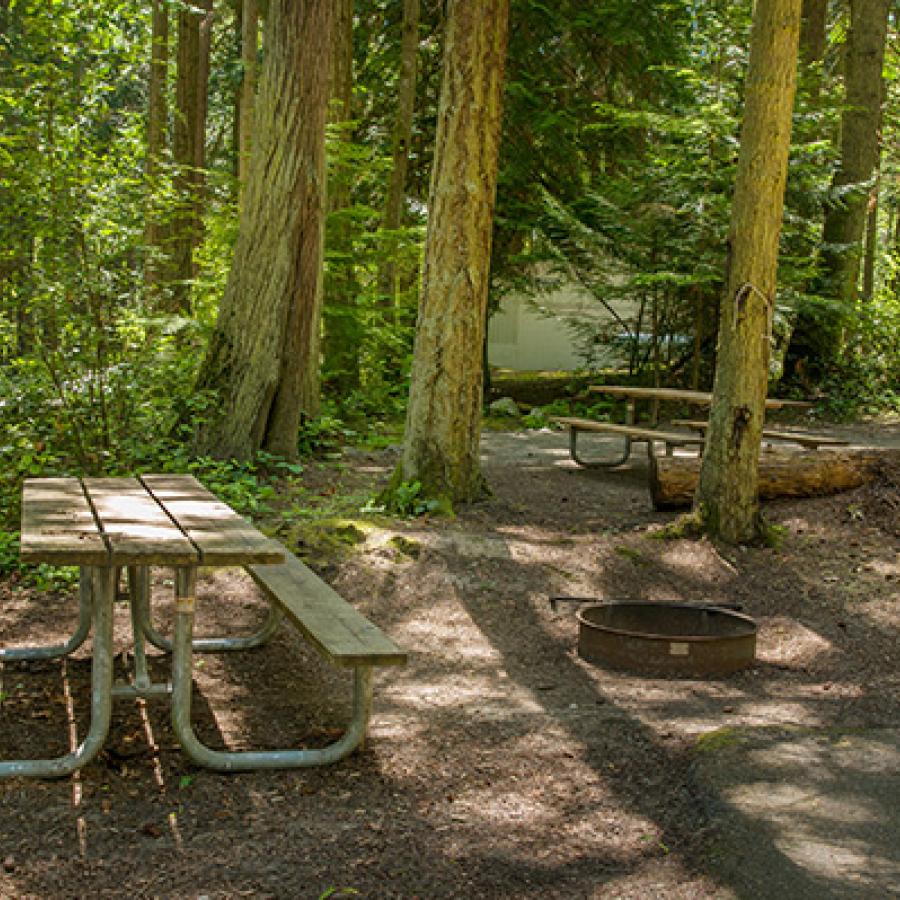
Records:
x=58, y=525
x=222, y=537
x=137, y=529
x=800, y=437
x=635, y=432
x=701, y=398
x=329, y=622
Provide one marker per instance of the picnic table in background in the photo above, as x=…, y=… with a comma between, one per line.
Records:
x=631, y=432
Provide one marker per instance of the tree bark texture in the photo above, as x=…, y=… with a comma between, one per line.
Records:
x=262, y=361
x=819, y=333
x=728, y=480
x=444, y=413
x=406, y=99
x=157, y=116
x=249, y=49
x=673, y=479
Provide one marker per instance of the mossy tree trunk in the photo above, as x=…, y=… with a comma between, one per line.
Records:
x=727, y=492
x=262, y=361
x=444, y=414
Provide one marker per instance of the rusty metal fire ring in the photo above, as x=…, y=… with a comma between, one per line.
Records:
x=669, y=638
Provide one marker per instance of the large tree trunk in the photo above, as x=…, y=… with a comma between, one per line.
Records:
x=818, y=336
x=444, y=414
x=673, y=479
x=157, y=114
x=262, y=361
x=728, y=479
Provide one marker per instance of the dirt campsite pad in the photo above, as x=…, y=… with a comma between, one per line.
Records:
x=499, y=763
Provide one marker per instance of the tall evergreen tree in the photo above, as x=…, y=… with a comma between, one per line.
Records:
x=444, y=415
x=262, y=360
x=727, y=494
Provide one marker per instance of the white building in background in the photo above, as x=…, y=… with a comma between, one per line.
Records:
x=541, y=333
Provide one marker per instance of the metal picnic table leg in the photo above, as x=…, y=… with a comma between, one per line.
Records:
x=103, y=581
x=248, y=760
x=630, y=415
x=74, y=642
x=140, y=603
x=597, y=463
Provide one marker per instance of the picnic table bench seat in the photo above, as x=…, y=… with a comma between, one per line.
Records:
x=341, y=634
x=803, y=438
x=335, y=628
x=631, y=433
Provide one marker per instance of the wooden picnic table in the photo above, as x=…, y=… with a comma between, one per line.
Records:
x=677, y=395
x=103, y=525
x=632, y=433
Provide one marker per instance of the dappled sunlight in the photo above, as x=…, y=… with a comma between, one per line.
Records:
x=785, y=641
x=699, y=562
x=484, y=698
x=830, y=824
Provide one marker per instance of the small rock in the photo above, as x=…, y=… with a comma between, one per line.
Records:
x=9, y=864
x=505, y=406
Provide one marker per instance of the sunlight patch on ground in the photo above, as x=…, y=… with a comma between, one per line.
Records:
x=785, y=641
x=512, y=808
x=797, y=813
x=686, y=557
x=482, y=697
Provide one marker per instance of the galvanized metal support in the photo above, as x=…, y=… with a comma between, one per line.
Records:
x=140, y=604
x=78, y=638
x=138, y=585
x=597, y=463
x=103, y=589
x=247, y=760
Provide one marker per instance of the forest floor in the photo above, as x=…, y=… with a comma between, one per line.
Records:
x=499, y=763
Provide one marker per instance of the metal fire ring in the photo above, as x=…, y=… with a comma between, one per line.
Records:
x=670, y=638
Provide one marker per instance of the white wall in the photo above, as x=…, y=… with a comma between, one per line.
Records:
x=521, y=337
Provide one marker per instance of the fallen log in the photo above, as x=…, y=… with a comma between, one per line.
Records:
x=673, y=479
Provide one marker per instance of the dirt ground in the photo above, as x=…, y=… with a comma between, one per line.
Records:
x=499, y=763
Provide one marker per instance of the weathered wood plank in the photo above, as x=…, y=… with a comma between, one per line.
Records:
x=334, y=627
x=803, y=438
x=222, y=537
x=136, y=527
x=58, y=526
x=635, y=432
x=701, y=398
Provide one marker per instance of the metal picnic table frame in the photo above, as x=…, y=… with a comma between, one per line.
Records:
x=104, y=525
